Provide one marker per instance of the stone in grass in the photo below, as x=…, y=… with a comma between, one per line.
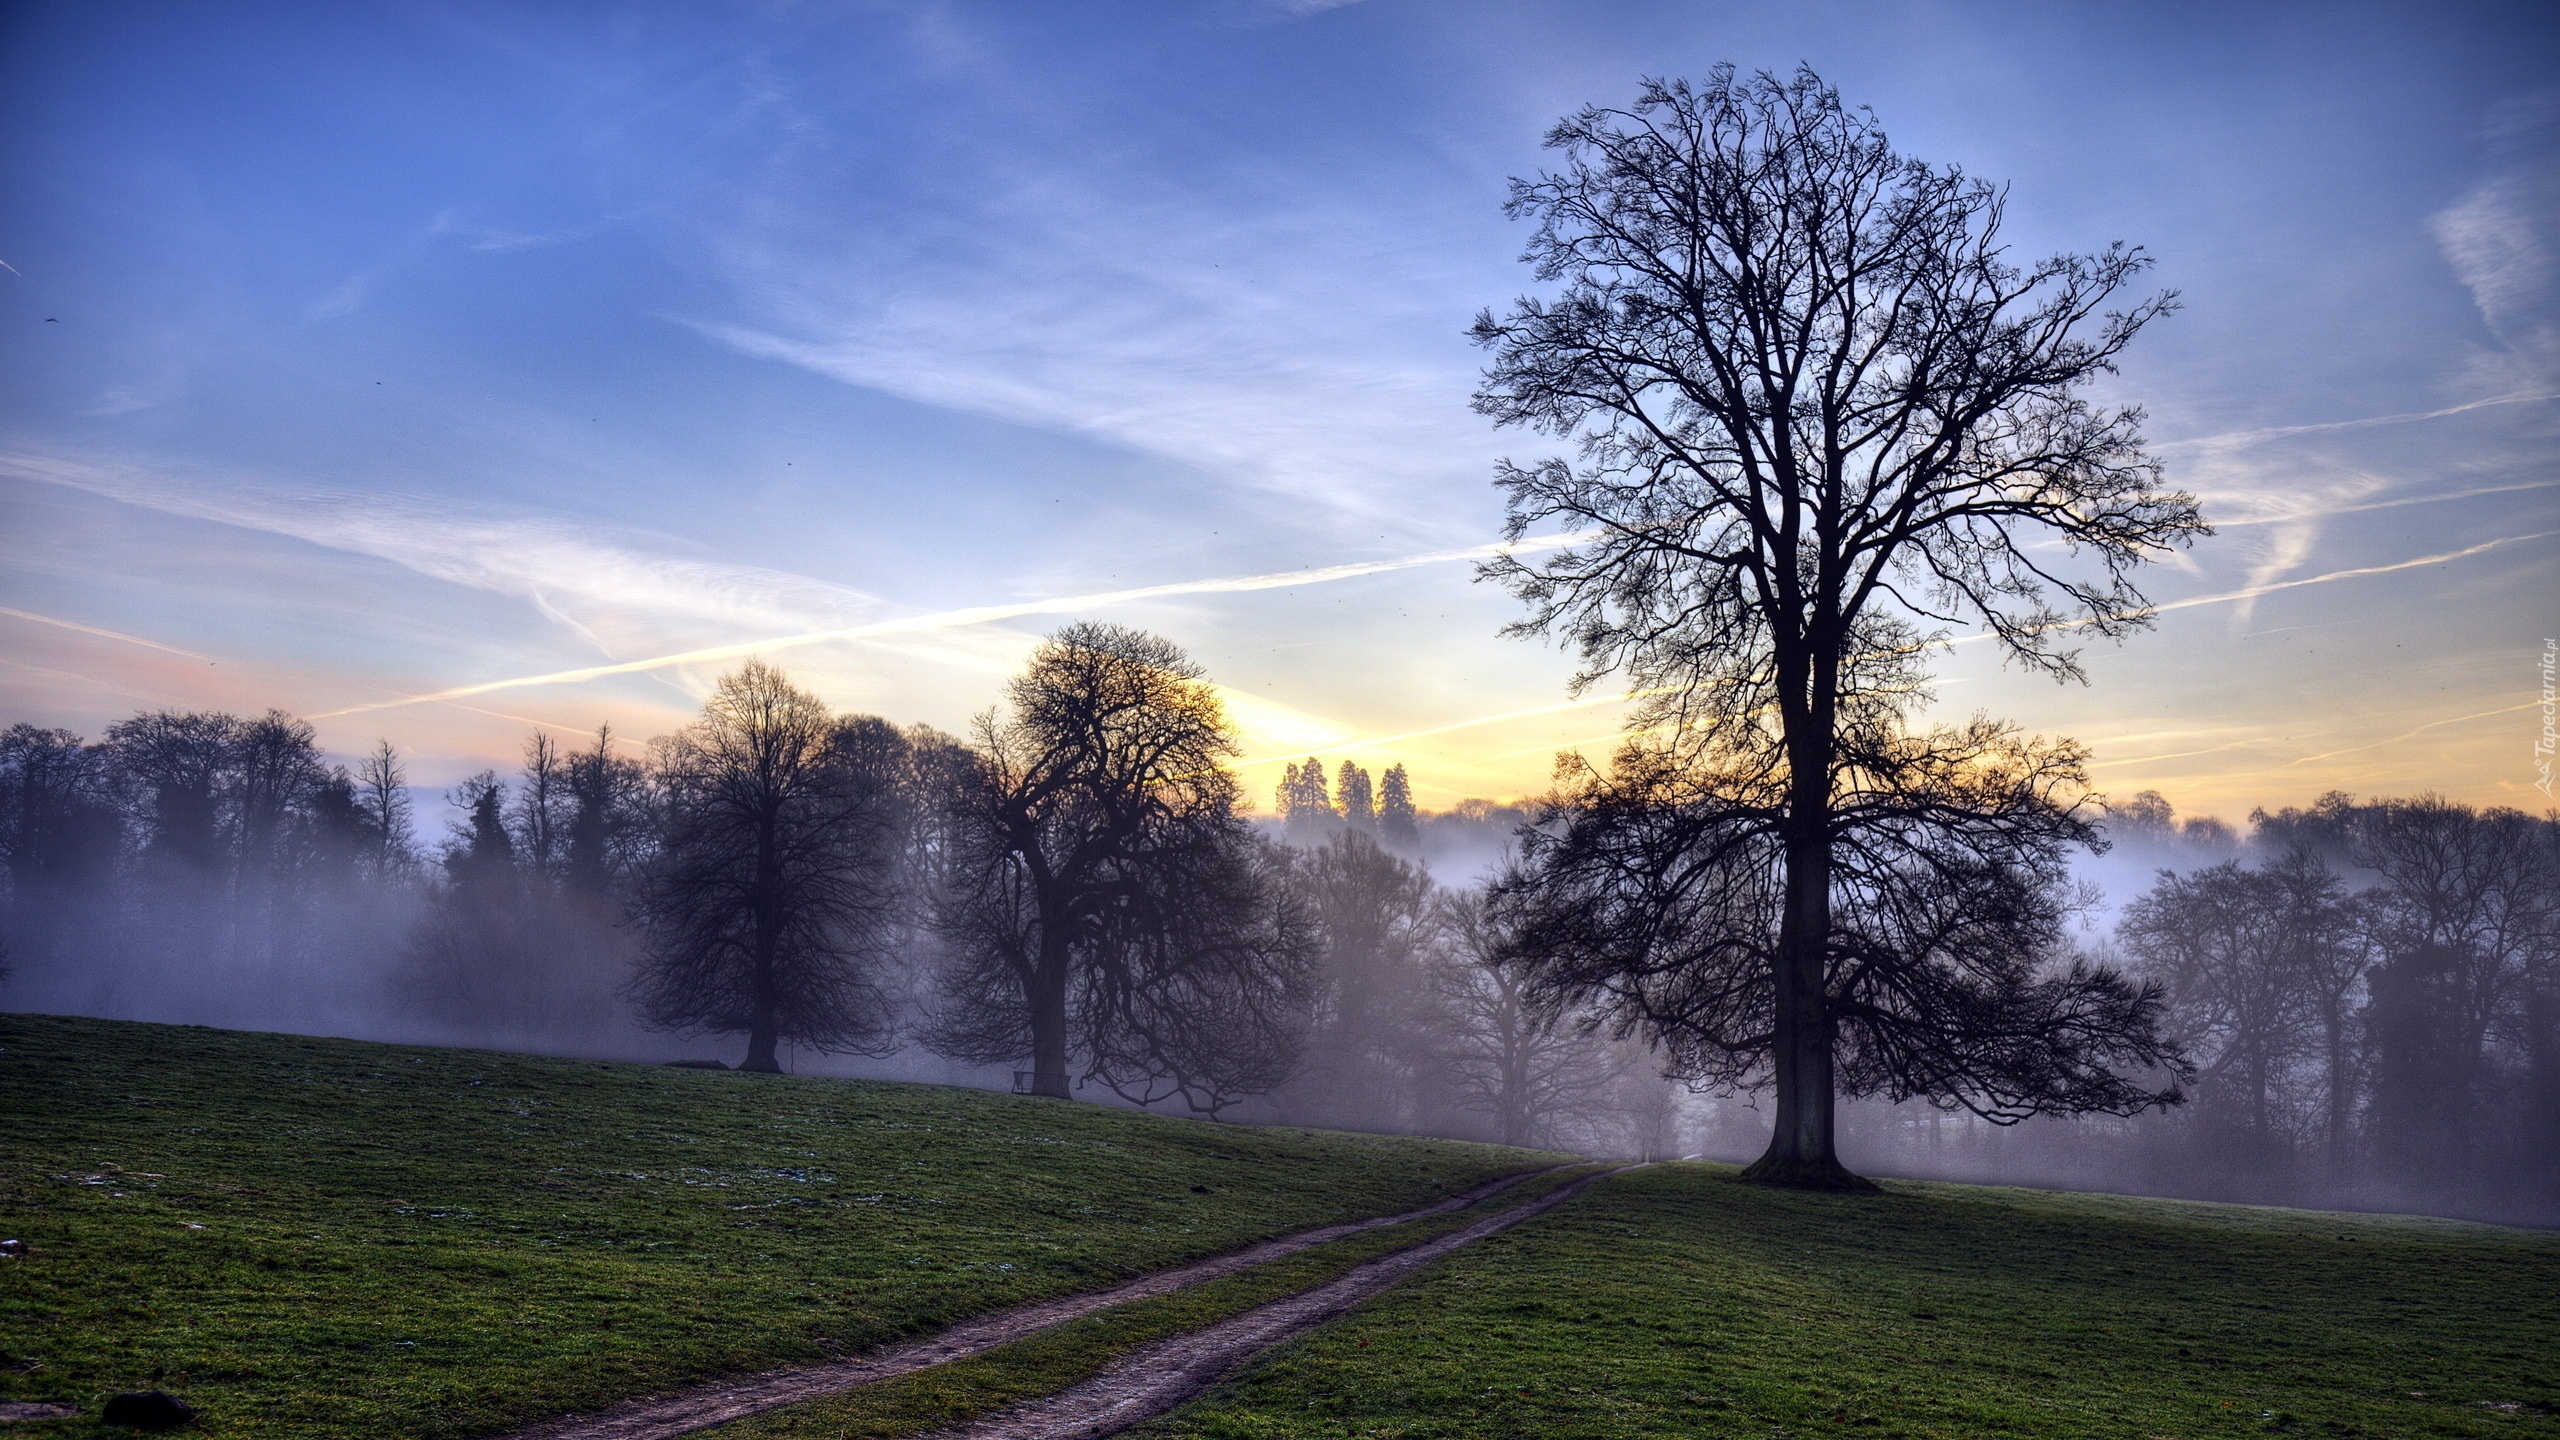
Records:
x=147, y=1410
x=697, y=1065
x=14, y=1410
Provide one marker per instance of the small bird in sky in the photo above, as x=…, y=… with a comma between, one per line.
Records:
x=49, y=320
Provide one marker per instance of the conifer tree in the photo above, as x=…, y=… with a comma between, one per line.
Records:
x=1397, y=827
x=1351, y=796
x=1304, y=805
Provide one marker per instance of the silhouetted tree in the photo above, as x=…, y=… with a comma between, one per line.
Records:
x=1656, y=895
x=1369, y=1046
x=382, y=798
x=1306, y=808
x=1818, y=410
x=479, y=845
x=772, y=904
x=61, y=834
x=2233, y=948
x=275, y=777
x=1398, y=829
x=59, y=828
x=610, y=823
x=1521, y=1060
x=1352, y=797
x=1107, y=911
x=2329, y=960
x=2146, y=817
x=2466, y=922
x=172, y=764
x=542, y=808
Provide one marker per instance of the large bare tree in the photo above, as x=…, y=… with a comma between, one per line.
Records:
x=1821, y=413
x=1106, y=911
x=773, y=901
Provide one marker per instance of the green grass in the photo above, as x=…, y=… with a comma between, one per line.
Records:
x=1673, y=1301
x=314, y=1237
x=1055, y=1359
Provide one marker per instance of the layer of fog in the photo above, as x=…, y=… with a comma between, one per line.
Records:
x=326, y=931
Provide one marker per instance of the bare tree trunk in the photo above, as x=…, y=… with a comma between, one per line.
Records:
x=1048, y=1002
x=760, y=1019
x=1515, y=1099
x=760, y=1049
x=1801, y=1152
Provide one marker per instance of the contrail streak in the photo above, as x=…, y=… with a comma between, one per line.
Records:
x=972, y=615
x=1372, y=742
x=107, y=685
x=105, y=634
x=1563, y=745
x=2254, y=591
x=2172, y=755
x=2238, y=438
x=2322, y=514
x=2421, y=730
x=2223, y=598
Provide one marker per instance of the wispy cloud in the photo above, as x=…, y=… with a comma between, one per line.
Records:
x=356, y=290
x=1275, y=332
x=1380, y=742
x=585, y=581
x=2497, y=240
x=555, y=564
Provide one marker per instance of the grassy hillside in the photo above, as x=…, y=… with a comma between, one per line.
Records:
x=1675, y=1302
x=326, y=1238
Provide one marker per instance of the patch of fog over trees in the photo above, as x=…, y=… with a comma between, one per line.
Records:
x=209, y=869
x=2368, y=991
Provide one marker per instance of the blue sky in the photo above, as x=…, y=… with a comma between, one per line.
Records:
x=357, y=353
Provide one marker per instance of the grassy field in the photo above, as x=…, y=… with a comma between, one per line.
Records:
x=1673, y=1301
x=327, y=1238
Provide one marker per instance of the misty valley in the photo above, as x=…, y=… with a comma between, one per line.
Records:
x=1076, y=1000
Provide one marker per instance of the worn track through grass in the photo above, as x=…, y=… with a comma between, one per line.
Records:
x=699, y=1409
x=1156, y=1378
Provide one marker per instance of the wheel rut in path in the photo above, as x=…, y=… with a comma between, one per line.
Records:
x=702, y=1407
x=1153, y=1379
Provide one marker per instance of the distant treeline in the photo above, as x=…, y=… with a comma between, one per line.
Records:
x=2369, y=992
x=1074, y=894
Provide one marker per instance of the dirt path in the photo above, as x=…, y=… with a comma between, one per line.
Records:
x=705, y=1406
x=1151, y=1380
